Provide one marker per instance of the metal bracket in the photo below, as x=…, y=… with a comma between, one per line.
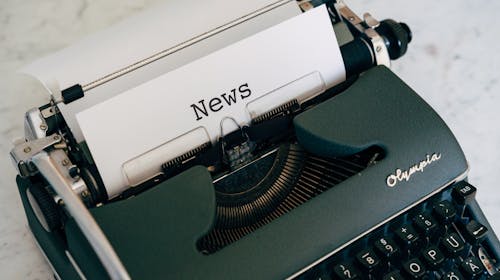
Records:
x=348, y=14
x=40, y=155
x=35, y=126
x=378, y=42
x=49, y=111
x=305, y=5
x=23, y=152
x=368, y=28
x=50, y=167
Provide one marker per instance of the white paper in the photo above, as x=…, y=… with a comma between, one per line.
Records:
x=153, y=114
x=143, y=35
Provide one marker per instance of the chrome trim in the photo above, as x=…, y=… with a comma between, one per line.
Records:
x=54, y=174
x=349, y=15
x=23, y=152
x=458, y=178
x=35, y=126
x=369, y=47
x=64, y=163
x=49, y=111
x=75, y=265
x=380, y=48
x=486, y=261
x=377, y=42
x=305, y=5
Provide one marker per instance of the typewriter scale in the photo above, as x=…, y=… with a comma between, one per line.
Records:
x=343, y=184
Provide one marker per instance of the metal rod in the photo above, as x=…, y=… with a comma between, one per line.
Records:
x=180, y=46
x=83, y=218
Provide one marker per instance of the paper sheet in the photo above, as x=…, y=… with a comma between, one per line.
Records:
x=143, y=35
x=212, y=90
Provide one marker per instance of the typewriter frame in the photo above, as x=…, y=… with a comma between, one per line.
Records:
x=47, y=155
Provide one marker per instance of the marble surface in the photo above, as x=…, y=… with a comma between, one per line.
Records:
x=452, y=62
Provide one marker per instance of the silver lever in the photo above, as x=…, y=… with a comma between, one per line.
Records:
x=52, y=170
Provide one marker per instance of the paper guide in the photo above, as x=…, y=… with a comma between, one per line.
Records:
x=185, y=107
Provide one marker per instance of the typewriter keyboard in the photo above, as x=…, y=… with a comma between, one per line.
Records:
x=440, y=238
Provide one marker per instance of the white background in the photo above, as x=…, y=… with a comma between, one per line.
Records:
x=452, y=62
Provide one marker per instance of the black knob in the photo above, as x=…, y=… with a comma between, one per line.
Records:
x=44, y=207
x=397, y=37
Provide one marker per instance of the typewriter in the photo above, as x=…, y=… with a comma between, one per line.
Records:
x=234, y=140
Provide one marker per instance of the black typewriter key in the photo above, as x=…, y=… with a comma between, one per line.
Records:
x=425, y=223
x=414, y=268
x=344, y=271
x=463, y=192
x=445, y=211
x=472, y=267
x=406, y=235
x=395, y=275
x=452, y=244
x=433, y=256
x=453, y=275
x=386, y=247
x=475, y=232
x=368, y=260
